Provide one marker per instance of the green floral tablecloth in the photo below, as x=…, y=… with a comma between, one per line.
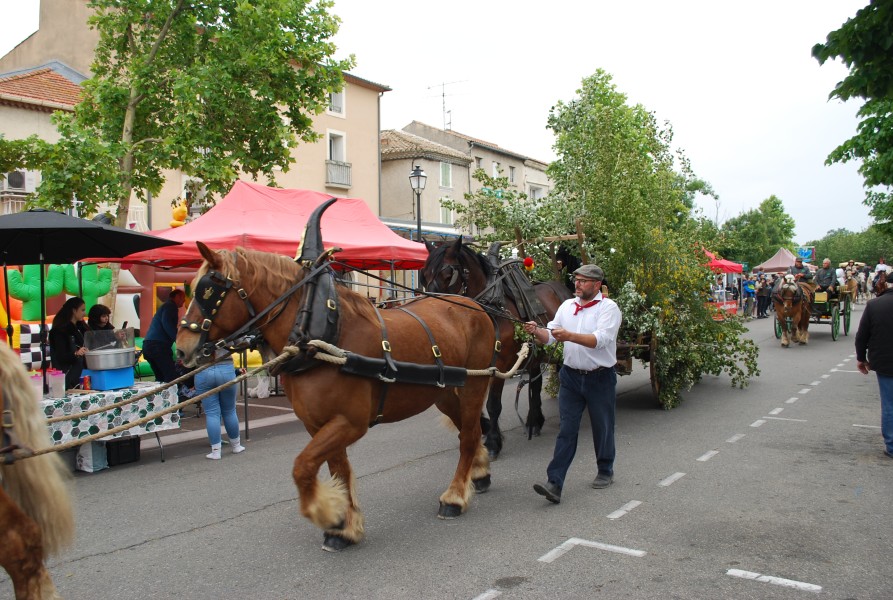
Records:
x=65, y=431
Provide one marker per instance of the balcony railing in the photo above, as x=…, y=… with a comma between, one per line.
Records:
x=12, y=204
x=337, y=174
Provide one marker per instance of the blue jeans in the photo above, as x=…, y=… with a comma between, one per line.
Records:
x=593, y=391
x=885, y=383
x=222, y=403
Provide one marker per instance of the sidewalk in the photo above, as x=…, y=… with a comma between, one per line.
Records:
x=261, y=412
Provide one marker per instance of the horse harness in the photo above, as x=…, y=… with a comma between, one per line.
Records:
x=9, y=442
x=318, y=319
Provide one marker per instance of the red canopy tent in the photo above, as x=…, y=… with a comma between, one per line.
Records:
x=721, y=265
x=258, y=217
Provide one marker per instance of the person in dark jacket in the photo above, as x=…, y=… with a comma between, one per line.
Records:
x=158, y=341
x=98, y=319
x=67, y=341
x=874, y=352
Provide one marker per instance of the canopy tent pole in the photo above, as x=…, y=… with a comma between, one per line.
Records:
x=43, y=326
x=8, y=308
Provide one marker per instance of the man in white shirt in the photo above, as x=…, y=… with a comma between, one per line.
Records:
x=587, y=325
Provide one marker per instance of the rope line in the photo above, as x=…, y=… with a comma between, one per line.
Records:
x=332, y=354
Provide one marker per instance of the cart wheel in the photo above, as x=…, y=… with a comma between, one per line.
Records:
x=847, y=312
x=777, y=328
x=835, y=322
x=652, y=366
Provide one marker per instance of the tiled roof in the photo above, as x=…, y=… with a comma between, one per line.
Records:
x=40, y=89
x=400, y=144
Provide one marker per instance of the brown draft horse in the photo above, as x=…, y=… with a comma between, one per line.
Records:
x=36, y=517
x=457, y=269
x=336, y=408
x=793, y=305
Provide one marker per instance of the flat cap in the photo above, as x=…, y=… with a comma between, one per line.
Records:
x=593, y=272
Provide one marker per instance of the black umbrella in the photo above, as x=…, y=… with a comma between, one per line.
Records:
x=39, y=236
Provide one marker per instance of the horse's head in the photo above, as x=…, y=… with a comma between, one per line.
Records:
x=454, y=269
x=880, y=283
x=206, y=320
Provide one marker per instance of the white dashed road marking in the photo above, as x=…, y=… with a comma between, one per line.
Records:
x=708, y=455
x=790, y=400
x=798, y=585
x=735, y=438
x=868, y=426
x=671, y=479
x=805, y=390
x=757, y=423
x=551, y=555
x=825, y=376
x=624, y=509
x=814, y=383
x=775, y=411
x=784, y=419
x=488, y=595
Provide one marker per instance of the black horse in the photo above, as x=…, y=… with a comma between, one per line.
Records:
x=456, y=269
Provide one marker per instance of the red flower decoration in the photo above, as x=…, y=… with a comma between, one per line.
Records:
x=528, y=262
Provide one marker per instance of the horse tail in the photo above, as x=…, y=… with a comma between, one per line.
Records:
x=37, y=484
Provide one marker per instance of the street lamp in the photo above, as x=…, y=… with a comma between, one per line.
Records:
x=417, y=180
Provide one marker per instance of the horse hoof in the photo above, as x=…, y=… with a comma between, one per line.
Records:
x=449, y=511
x=335, y=543
x=481, y=485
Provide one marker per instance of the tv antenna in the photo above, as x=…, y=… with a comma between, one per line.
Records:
x=447, y=114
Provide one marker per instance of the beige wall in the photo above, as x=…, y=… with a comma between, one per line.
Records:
x=67, y=39
x=398, y=199
x=18, y=123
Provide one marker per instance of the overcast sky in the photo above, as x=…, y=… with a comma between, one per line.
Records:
x=747, y=102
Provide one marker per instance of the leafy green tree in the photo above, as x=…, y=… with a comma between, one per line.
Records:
x=864, y=246
x=865, y=44
x=617, y=175
x=210, y=88
x=757, y=234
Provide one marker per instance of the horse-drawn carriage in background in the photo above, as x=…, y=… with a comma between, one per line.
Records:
x=827, y=309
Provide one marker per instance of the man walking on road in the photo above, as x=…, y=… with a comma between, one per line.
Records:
x=874, y=351
x=587, y=326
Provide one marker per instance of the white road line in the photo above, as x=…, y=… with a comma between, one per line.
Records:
x=775, y=411
x=555, y=553
x=839, y=365
x=784, y=419
x=804, y=391
x=847, y=359
x=846, y=371
x=825, y=376
x=708, y=455
x=814, y=383
x=757, y=423
x=790, y=400
x=735, y=438
x=488, y=595
x=624, y=509
x=671, y=479
x=868, y=426
x=798, y=585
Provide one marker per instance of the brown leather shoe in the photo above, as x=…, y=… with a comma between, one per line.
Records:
x=551, y=491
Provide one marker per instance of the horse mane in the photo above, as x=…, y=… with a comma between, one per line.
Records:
x=38, y=485
x=269, y=271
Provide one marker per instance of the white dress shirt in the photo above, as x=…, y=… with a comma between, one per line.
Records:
x=602, y=320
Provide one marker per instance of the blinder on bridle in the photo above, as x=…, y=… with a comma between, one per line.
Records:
x=210, y=291
x=457, y=273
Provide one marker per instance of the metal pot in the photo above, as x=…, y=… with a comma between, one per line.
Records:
x=115, y=358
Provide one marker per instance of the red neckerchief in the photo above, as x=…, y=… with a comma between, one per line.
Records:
x=579, y=307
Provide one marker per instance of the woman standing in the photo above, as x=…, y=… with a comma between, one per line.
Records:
x=222, y=404
x=67, y=341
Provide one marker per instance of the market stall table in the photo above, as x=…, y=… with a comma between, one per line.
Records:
x=74, y=429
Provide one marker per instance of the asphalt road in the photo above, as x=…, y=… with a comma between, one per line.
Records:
x=780, y=490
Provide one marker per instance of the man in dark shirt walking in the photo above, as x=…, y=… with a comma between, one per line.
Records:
x=874, y=352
